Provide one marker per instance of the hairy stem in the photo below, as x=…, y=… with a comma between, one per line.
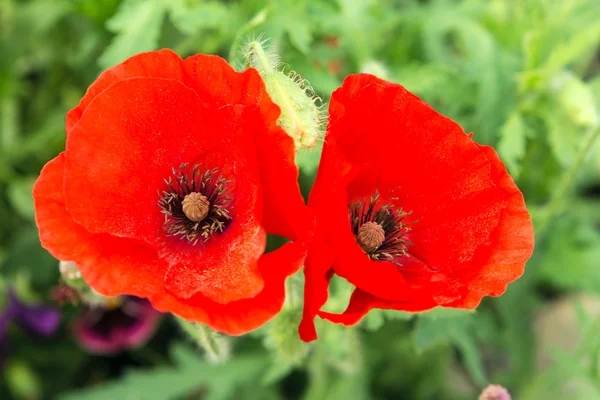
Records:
x=213, y=343
x=261, y=56
x=557, y=199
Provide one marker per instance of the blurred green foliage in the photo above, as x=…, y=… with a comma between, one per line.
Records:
x=523, y=75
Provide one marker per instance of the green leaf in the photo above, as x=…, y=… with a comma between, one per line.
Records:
x=22, y=381
x=352, y=386
x=278, y=369
x=20, y=198
x=571, y=255
x=358, y=26
x=532, y=48
x=190, y=18
x=568, y=378
x=291, y=17
x=471, y=357
x=563, y=136
x=190, y=373
x=45, y=13
x=137, y=25
x=513, y=139
x=474, y=51
x=570, y=50
x=9, y=124
x=342, y=344
x=283, y=336
x=300, y=36
x=594, y=85
x=430, y=332
x=424, y=79
x=452, y=330
x=443, y=312
x=375, y=319
x=25, y=256
x=98, y=10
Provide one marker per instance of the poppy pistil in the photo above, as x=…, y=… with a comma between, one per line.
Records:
x=196, y=204
x=370, y=236
x=380, y=230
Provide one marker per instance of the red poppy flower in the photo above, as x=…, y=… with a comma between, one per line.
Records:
x=174, y=171
x=409, y=209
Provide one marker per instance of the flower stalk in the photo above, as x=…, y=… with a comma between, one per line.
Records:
x=216, y=345
x=557, y=198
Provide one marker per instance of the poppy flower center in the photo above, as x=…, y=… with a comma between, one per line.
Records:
x=380, y=230
x=195, y=204
x=370, y=236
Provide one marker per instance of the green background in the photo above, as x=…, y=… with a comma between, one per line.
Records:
x=523, y=75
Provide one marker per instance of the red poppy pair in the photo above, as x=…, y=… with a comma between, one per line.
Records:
x=175, y=170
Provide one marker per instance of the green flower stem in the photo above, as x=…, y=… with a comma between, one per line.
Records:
x=293, y=292
x=215, y=344
x=318, y=373
x=261, y=56
x=324, y=371
x=557, y=199
x=8, y=112
x=258, y=19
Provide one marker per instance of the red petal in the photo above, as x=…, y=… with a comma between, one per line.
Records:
x=123, y=148
x=317, y=274
x=226, y=86
x=318, y=268
x=362, y=302
x=224, y=271
x=111, y=265
x=157, y=64
x=511, y=243
x=239, y=317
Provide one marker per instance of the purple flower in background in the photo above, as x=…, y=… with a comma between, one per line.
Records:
x=36, y=319
x=127, y=324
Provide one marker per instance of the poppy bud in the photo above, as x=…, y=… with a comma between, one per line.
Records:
x=494, y=392
x=74, y=288
x=300, y=117
x=376, y=68
x=69, y=271
x=575, y=98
